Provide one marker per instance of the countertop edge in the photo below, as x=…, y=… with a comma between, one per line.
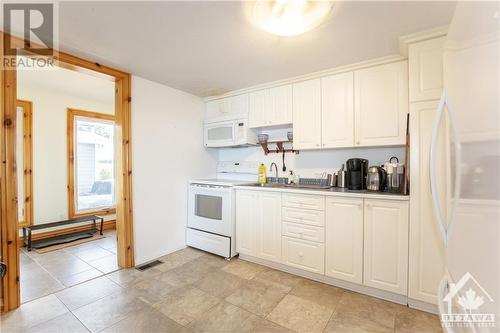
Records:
x=326, y=193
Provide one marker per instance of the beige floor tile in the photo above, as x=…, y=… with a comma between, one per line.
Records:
x=63, y=324
x=151, y=290
x=182, y=276
x=300, y=315
x=220, y=284
x=186, y=304
x=225, y=317
x=211, y=261
x=373, y=309
x=414, y=321
x=32, y=313
x=74, y=279
x=146, y=320
x=343, y=322
x=266, y=326
x=320, y=293
x=44, y=258
x=107, y=264
x=258, y=296
x=93, y=253
x=171, y=261
x=130, y=276
x=87, y=292
x=190, y=252
x=280, y=277
x=37, y=282
x=109, y=310
x=244, y=269
x=66, y=266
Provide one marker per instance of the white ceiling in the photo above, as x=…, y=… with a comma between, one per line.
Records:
x=207, y=48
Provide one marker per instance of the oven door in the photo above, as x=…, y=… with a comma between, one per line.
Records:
x=210, y=208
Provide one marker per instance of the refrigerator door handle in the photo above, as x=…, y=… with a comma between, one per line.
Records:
x=432, y=167
x=443, y=290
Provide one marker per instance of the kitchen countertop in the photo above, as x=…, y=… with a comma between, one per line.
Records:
x=334, y=191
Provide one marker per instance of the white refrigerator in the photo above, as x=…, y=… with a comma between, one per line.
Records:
x=469, y=294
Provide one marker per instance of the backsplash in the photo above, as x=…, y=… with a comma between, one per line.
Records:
x=311, y=163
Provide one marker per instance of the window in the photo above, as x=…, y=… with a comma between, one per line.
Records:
x=91, y=161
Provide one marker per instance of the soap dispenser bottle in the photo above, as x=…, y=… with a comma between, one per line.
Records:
x=262, y=174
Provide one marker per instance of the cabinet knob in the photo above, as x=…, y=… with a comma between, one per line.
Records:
x=317, y=145
x=357, y=142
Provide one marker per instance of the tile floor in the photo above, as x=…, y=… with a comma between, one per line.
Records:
x=44, y=274
x=193, y=291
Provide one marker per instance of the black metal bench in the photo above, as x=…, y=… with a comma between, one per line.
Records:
x=61, y=239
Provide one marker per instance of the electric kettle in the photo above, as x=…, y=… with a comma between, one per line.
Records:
x=376, y=178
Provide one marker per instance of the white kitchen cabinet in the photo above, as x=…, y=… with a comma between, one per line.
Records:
x=234, y=105
x=258, y=224
x=427, y=253
x=381, y=104
x=269, y=226
x=307, y=114
x=344, y=239
x=303, y=254
x=425, y=61
x=305, y=201
x=270, y=107
x=246, y=222
x=337, y=111
x=386, y=245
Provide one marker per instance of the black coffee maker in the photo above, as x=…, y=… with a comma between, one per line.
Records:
x=357, y=169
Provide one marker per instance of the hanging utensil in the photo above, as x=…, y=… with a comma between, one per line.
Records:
x=284, y=166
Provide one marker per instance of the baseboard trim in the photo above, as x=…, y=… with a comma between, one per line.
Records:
x=385, y=295
x=423, y=306
x=111, y=224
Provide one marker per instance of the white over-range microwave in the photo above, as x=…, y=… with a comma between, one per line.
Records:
x=228, y=131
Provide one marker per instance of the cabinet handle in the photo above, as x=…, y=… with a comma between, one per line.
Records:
x=357, y=142
x=317, y=145
x=368, y=206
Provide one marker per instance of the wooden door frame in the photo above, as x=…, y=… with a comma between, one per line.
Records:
x=8, y=190
x=27, y=161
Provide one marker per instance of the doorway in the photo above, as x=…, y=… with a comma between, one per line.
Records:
x=9, y=184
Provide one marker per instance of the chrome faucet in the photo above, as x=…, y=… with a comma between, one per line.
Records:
x=271, y=170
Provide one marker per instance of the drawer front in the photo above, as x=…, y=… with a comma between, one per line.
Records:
x=309, y=256
x=316, y=202
x=303, y=216
x=302, y=231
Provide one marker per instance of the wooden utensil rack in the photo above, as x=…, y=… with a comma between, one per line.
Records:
x=279, y=147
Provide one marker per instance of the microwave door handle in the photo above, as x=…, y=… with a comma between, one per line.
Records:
x=432, y=168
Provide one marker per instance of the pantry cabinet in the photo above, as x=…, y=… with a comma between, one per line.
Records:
x=344, y=239
x=227, y=106
x=386, y=245
x=337, y=111
x=270, y=107
x=307, y=114
x=427, y=253
x=381, y=104
x=425, y=61
x=258, y=224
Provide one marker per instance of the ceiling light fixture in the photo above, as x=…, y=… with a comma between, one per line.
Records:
x=288, y=17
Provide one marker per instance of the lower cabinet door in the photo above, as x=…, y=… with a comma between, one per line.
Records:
x=246, y=226
x=269, y=226
x=306, y=255
x=386, y=245
x=344, y=239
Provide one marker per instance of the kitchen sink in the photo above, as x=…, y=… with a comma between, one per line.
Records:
x=281, y=185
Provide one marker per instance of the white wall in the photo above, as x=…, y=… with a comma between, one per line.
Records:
x=167, y=151
x=50, y=161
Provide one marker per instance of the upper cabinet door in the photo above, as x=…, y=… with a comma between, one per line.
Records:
x=337, y=110
x=426, y=69
x=307, y=114
x=229, y=105
x=259, y=108
x=238, y=105
x=381, y=104
x=281, y=102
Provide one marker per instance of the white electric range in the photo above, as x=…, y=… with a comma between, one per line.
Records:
x=211, y=208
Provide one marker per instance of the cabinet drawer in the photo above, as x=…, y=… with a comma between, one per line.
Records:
x=301, y=231
x=303, y=216
x=306, y=255
x=316, y=202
